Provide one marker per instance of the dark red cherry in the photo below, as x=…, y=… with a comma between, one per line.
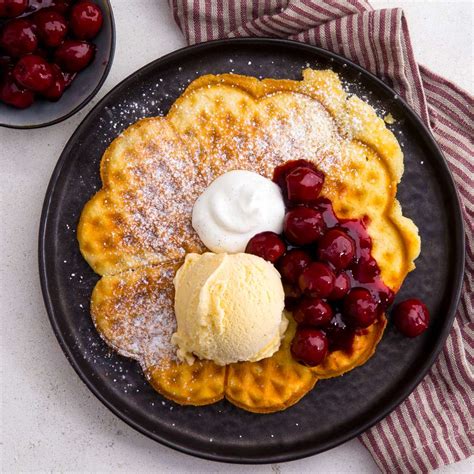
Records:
x=303, y=225
x=337, y=248
x=317, y=280
x=309, y=346
x=313, y=312
x=366, y=269
x=86, y=20
x=13, y=94
x=359, y=309
x=411, y=317
x=18, y=38
x=12, y=8
x=57, y=87
x=267, y=245
x=292, y=264
x=303, y=185
x=280, y=172
x=342, y=285
x=34, y=73
x=51, y=27
x=73, y=56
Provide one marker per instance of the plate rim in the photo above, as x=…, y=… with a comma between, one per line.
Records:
x=459, y=258
x=90, y=96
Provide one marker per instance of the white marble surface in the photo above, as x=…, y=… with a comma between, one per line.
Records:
x=49, y=419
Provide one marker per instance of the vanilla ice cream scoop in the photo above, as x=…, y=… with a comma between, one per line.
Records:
x=235, y=207
x=229, y=308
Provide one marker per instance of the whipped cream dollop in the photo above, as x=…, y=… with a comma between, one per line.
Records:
x=235, y=207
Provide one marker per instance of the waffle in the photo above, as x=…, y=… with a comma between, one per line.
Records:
x=271, y=384
x=137, y=229
x=141, y=216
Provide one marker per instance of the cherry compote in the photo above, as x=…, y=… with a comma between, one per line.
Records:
x=332, y=281
x=43, y=45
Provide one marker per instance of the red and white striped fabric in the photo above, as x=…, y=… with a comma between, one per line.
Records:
x=434, y=425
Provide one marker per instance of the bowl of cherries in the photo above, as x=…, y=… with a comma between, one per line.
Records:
x=54, y=57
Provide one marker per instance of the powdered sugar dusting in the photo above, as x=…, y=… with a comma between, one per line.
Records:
x=138, y=316
x=160, y=205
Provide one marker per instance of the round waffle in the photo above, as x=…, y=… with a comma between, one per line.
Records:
x=152, y=175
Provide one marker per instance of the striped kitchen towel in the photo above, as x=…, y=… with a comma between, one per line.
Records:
x=434, y=425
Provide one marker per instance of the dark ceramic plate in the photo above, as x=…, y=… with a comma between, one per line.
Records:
x=336, y=410
x=86, y=85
